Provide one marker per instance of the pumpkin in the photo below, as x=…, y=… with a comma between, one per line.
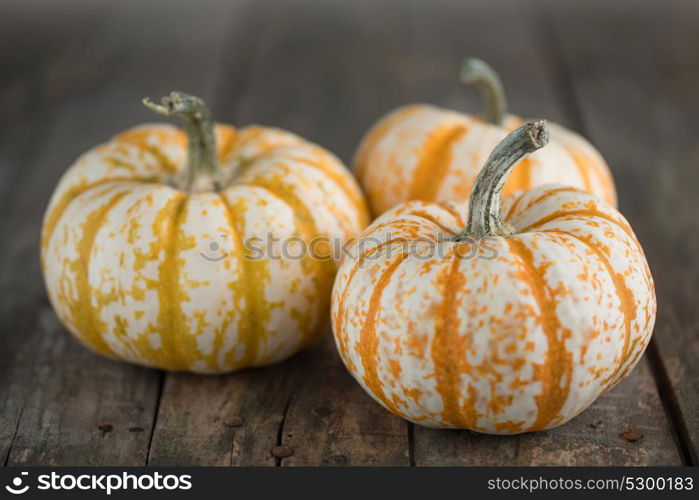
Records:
x=498, y=317
x=153, y=243
x=423, y=152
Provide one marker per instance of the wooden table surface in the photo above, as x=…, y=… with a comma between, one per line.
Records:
x=72, y=73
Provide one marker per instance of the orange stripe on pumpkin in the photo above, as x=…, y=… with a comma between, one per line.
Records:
x=368, y=345
x=555, y=374
x=585, y=165
x=449, y=350
x=520, y=177
x=589, y=212
x=626, y=298
x=435, y=160
x=54, y=215
x=551, y=192
x=254, y=317
x=430, y=218
x=179, y=345
x=140, y=136
x=340, y=179
x=82, y=311
x=340, y=334
x=323, y=269
x=226, y=136
x=377, y=133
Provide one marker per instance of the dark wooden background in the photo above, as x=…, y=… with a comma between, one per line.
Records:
x=72, y=73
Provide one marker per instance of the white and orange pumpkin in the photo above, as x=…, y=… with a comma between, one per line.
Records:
x=153, y=244
x=423, y=152
x=455, y=315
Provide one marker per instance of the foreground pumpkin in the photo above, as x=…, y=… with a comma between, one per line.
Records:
x=422, y=152
x=153, y=244
x=512, y=318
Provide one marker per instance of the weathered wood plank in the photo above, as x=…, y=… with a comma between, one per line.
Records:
x=487, y=30
x=84, y=410
x=639, y=104
x=22, y=126
x=59, y=394
x=332, y=421
x=198, y=418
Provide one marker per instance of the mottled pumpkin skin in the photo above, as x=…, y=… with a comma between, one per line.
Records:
x=422, y=152
x=141, y=271
x=521, y=342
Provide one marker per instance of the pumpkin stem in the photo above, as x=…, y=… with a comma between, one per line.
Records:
x=202, y=172
x=479, y=73
x=484, y=215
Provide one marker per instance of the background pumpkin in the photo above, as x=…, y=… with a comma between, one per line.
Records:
x=423, y=152
x=557, y=307
x=149, y=242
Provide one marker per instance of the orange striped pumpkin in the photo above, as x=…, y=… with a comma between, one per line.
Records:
x=423, y=152
x=516, y=323
x=152, y=242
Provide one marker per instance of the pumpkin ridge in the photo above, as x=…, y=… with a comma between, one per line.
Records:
x=559, y=214
x=582, y=168
x=163, y=161
x=449, y=352
x=53, y=217
x=171, y=320
x=379, y=132
x=86, y=322
x=451, y=211
x=392, y=222
x=343, y=296
x=368, y=348
x=625, y=296
x=584, y=162
x=229, y=134
x=251, y=328
x=403, y=219
x=558, y=364
x=342, y=219
x=435, y=160
x=551, y=192
x=513, y=208
x=429, y=218
x=323, y=269
x=137, y=138
x=337, y=177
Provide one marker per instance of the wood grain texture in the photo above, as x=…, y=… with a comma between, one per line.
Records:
x=332, y=421
x=69, y=418
x=21, y=141
x=192, y=418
